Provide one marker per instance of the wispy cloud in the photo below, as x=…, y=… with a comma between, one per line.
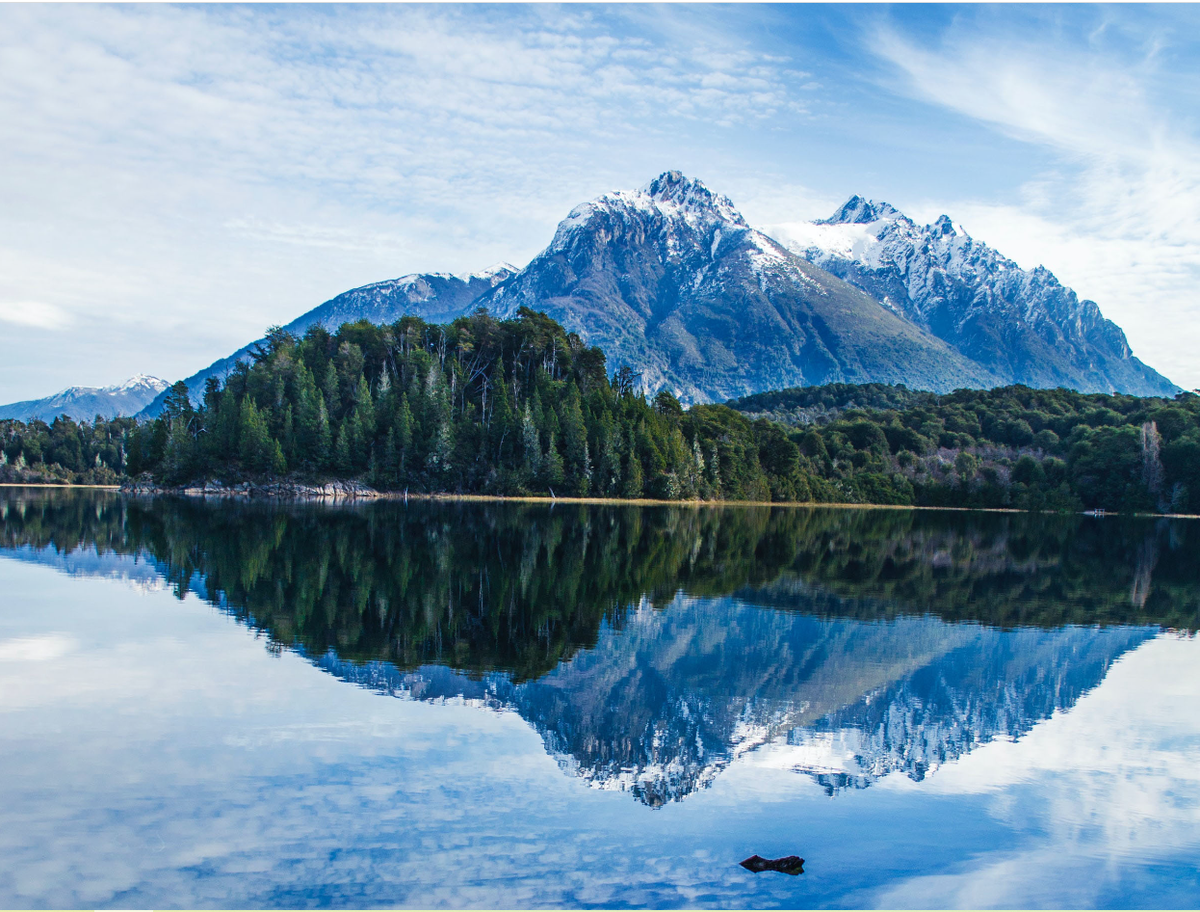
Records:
x=191, y=158
x=1119, y=218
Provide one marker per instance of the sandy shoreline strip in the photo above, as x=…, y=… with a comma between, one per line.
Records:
x=613, y=501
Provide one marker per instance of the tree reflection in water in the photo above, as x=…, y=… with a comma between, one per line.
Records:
x=652, y=646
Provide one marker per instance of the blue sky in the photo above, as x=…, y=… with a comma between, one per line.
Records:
x=175, y=179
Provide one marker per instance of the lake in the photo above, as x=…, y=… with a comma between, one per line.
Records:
x=212, y=703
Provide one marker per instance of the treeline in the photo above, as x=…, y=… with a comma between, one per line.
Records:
x=1010, y=447
x=523, y=407
x=65, y=451
x=480, y=405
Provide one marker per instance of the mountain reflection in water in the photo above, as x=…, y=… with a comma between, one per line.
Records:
x=651, y=647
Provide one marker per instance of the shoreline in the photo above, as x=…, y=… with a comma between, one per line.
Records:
x=351, y=491
x=57, y=484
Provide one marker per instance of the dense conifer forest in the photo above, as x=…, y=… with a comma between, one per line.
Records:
x=521, y=406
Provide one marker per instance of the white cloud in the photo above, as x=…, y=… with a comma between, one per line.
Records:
x=1119, y=221
x=34, y=314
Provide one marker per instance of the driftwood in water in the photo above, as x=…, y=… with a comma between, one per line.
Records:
x=789, y=864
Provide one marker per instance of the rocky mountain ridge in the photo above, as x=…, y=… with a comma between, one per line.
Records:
x=671, y=281
x=1022, y=324
x=438, y=297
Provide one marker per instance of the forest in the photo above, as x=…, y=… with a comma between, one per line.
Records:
x=523, y=407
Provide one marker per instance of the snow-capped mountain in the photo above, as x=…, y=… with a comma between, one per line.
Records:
x=671, y=281
x=1021, y=324
x=84, y=403
x=435, y=296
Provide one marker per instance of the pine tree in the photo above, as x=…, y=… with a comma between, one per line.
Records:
x=287, y=433
x=404, y=431
x=322, y=445
x=365, y=408
x=278, y=460
x=255, y=445
x=179, y=461
x=341, y=453
x=530, y=444
x=501, y=423
x=389, y=471
x=307, y=416
x=634, y=481
x=553, y=463
x=329, y=388
x=356, y=440
x=577, y=463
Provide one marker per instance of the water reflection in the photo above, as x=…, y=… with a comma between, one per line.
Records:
x=651, y=648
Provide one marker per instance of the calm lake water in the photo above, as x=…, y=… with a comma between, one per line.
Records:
x=216, y=704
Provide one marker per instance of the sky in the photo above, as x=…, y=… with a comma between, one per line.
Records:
x=175, y=179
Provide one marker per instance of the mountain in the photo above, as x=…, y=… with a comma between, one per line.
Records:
x=435, y=296
x=671, y=281
x=83, y=403
x=1023, y=325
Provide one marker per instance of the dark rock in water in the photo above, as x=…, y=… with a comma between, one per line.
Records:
x=789, y=864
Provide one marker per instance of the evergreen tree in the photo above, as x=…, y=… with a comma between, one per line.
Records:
x=256, y=448
x=404, y=431
x=342, y=462
x=365, y=408
x=329, y=389
x=552, y=465
x=577, y=464
x=321, y=452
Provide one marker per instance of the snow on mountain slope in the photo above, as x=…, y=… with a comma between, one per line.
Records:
x=671, y=281
x=1022, y=324
x=437, y=297
x=85, y=403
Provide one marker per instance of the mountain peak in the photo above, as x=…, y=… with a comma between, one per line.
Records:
x=494, y=274
x=946, y=226
x=670, y=181
x=140, y=381
x=677, y=194
x=83, y=403
x=860, y=211
x=671, y=202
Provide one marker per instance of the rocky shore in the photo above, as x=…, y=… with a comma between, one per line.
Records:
x=283, y=490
